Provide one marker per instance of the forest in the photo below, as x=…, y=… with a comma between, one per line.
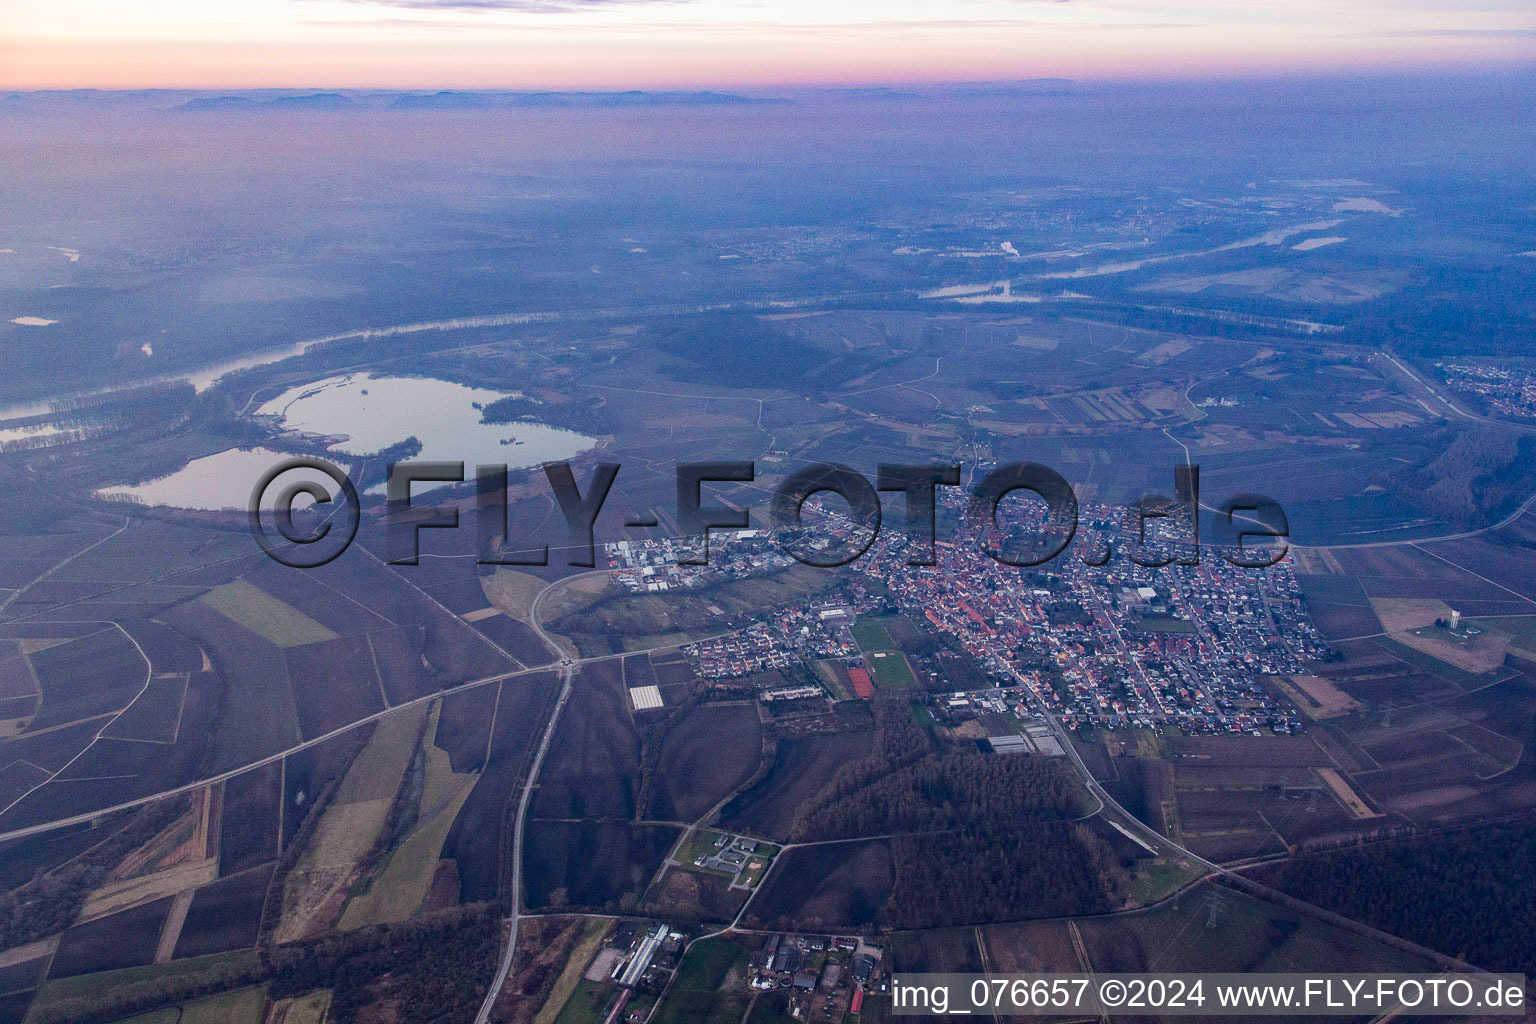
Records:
x=943, y=792
x=980, y=875
x=906, y=784
x=432, y=970
x=1470, y=893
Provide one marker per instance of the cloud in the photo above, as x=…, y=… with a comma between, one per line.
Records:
x=1476, y=33
x=531, y=6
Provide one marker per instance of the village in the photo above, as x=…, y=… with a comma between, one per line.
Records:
x=1110, y=646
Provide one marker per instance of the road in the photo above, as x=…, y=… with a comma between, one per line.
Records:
x=1167, y=847
x=568, y=670
x=1434, y=402
x=505, y=968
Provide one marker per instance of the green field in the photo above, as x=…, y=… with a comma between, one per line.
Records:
x=871, y=635
x=696, y=996
x=167, y=1015
x=569, y=984
x=1521, y=629
x=306, y=1009
x=883, y=655
x=1153, y=880
x=93, y=990
x=890, y=670
x=1221, y=930
x=586, y=1004
x=264, y=615
x=1160, y=624
x=402, y=884
x=694, y=844
x=242, y=1006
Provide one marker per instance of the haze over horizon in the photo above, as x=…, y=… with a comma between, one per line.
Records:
x=605, y=44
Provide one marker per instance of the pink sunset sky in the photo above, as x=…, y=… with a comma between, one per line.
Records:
x=608, y=44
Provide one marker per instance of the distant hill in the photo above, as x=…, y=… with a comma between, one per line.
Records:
x=314, y=101
x=450, y=100
x=445, y=100
x=226, y=104
x=218, y=104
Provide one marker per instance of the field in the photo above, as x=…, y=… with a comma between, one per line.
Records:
x=225, y=915
x=310, y=1009
x=694, y=895
x=597, y=864
x=316, y=889
x=155, y=715
x=265, y=615
x=871, y=635
x=898, y=651
x=400, y=888
x=710, y=987
x=1318, y=698
x=1520, y=629
x=88, y=992
x=1242, y=796
x=585, y=1004
x=464, y=726
x=334, y=683
x=1222, y=930
x=802, y=767
x=475, y=840
x=593, y=766
x=257, y=684
x=891, y=670
x=516, y=638
x=827, y=887
x=834, y=676
x=248, y=825
x=109, y=943
x=240, y=1006
x=512, y=591
x=705, y=756
x=83, y=678
x=945, y=950
x=565, y=987
x=541, y=961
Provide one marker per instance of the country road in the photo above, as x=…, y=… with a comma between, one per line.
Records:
x=569, y=668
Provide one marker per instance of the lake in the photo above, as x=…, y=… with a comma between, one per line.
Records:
x=365, y=413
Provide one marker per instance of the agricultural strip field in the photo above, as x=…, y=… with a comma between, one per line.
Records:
x=317, y=887
x=475, y=840
x=400, y=887
x=265, y=615
x=225, y=915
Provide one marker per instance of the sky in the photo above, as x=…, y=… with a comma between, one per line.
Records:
x=613, y=44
